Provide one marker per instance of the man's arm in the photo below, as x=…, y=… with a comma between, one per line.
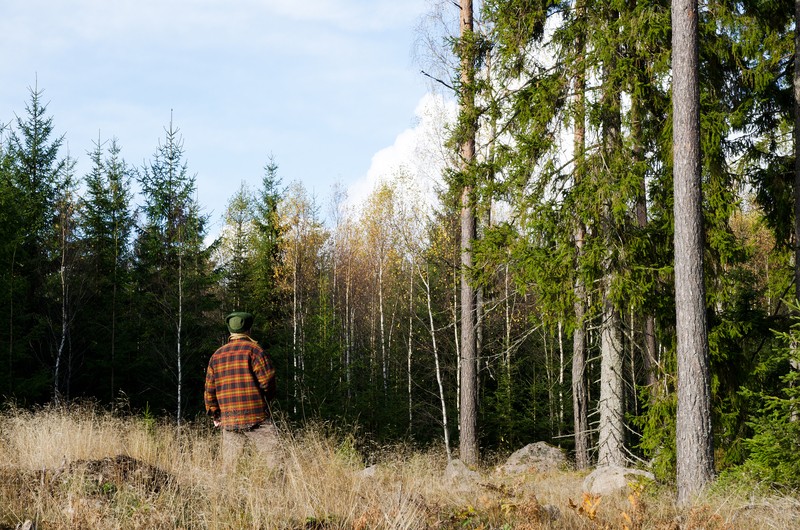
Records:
x=265, y=373
x=210, y=396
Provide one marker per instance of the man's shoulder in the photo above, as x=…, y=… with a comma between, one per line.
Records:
x=240, y=345
x=230, y=348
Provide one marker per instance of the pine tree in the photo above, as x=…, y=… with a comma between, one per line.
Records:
x=693, y=424
x=468, y=412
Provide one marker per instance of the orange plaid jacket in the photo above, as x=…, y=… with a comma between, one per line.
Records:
x=240, y=382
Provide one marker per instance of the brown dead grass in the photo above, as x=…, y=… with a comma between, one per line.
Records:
x=84, y=468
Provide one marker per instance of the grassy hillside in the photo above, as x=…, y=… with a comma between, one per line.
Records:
x=85, y=468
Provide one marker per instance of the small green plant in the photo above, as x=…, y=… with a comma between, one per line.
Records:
x=148, y=419
x=108, y=488
x=347, y=450
x=775, y=445
x=658, y=433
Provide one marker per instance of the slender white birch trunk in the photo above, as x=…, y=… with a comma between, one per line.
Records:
x=432, y=330
x=410, y=339
x=179, y=330
x=63, y=341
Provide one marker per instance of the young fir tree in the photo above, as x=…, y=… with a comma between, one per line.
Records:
x=773, y=445
x=8, y=234
x=36, y=173
x=236, y=249
x=172, y=276
x=266, y=257
x=106, y=224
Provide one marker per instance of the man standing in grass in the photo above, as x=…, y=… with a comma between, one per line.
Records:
x=240, y=383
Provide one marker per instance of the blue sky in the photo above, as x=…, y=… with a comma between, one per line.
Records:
x=323, y=85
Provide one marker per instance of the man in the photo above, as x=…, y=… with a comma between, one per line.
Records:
x=240, y=383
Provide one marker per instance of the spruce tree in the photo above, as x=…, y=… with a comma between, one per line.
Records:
x=172, y=276
x=236, y=250
x=107, y=225
x=267, y=241
x=37, y=174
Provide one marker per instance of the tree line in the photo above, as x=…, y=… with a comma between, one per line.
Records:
x=535, y=301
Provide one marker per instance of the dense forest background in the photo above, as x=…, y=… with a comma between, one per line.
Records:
x=112, y=290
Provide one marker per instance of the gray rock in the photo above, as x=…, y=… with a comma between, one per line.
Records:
x=606, y=480
x=368, y=472
x=458, y=474
x=535, y=457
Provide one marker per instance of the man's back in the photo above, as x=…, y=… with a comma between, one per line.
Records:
x=240, y=381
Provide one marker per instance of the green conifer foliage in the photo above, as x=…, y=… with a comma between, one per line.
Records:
x=773, y=447
x=36, y=177
x=173, y=280
x=266, y=253
x=106, y=228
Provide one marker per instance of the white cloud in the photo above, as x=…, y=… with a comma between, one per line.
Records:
x=418, y=152
x=321, y=84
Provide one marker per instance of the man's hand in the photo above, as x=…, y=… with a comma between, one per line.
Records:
x=217, y=423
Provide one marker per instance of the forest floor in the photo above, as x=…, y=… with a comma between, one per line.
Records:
x=84, y=468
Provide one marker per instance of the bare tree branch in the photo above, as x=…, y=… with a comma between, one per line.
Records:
x=426, y=74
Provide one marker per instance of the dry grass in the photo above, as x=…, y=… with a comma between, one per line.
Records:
x=84, y=468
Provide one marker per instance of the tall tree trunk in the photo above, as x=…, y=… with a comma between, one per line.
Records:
x=382, y=330
x=456, y=341
x=410, y=339
x=348, y=327
x=179, y=329
x=796, y=92
x=694, y=444
x=611, y=403
x=548, y=372
x=64, y=324
x=560, y=378
x=483, y=224
x=507, y=343
x=580, y=400
x=648, y=326
x=580, y=407
x=432, y=330
x=468, y=446
x=295, y=324
x=114, y=312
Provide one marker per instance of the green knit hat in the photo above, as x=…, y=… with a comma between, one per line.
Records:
x=239, y=322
